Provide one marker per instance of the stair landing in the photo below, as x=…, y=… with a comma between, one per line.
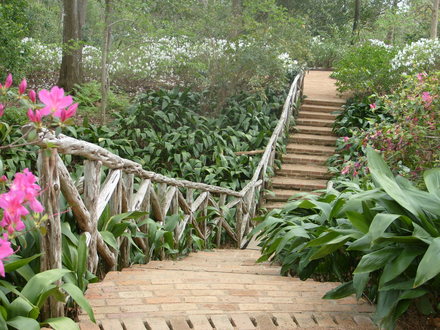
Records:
x=220, y=289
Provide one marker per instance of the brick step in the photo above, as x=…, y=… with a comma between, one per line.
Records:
x=325, y=102
x=314, y=122
x=274, y=205
x=319, y=130
x=304, y=159
x=321, y=108
x=299, y=148
x=281, y=182
x=304, y=171
x=313, y=139
x=316, y=115
x=282, y=195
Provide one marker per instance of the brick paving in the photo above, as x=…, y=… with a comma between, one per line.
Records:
x=220, y=289
x=310, y=143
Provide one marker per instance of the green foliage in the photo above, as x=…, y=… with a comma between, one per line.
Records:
x=379, y=239
x=366, y=69
x=14, y=27
x=403, y=125
x=88, y=95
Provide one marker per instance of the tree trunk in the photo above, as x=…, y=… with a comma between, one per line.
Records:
x=392, y=30
x=434, y=23
x=105, y=83
x=236, y=7
x=71, y=72
x=357, y=17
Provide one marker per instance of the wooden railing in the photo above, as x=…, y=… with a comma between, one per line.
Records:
x=128, y=187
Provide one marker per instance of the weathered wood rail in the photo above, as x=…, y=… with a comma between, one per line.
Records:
x=128, y=187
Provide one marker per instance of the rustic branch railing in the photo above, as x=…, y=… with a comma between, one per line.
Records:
x=157, y=194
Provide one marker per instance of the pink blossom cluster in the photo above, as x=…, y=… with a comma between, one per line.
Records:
x=54, y=102
x=22, y=195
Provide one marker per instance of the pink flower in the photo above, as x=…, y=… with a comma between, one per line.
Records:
x=5, y=251
x=26, y=182
x=8, y=82
x=3, y=178
x=427, y=98
x=13, y=209
x=54, y=100
x=32, y=96
x=64, y=114
x=2, y=109
x=22, y=87
x=345, y=170
x=346, y=138
x=373, y=106
x=35, y=116
x=421, y=76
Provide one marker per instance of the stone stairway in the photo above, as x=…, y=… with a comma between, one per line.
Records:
x=310, y=144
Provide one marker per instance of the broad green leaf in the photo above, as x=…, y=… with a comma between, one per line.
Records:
x=399, y=265
x=82, y=260
x=429, y=266
x=380, y=223
x=79, y=298
x=323, y=239
x=358, y=220
x=432, y=181
x=19, y=307
x=62, y=323
x=383, y=177
x=109, y=238
x=21, y=322
x=41, y=282
x=16, y=264
x=342, y=291
x=377, y=259
x=360, y=281
x=171, y=222
x=330, y=247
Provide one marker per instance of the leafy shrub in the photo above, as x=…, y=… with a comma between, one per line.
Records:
x=379, y=239
x=325, y=52
x=403, y=125
x=365, y=69
x=420, y=56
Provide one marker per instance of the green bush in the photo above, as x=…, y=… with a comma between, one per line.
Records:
x=403, y=125
x=381, y=240
x=366, y=69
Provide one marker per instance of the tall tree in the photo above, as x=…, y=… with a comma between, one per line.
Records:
x=71, y=64
x=357, y=18
x=434, y=22
x=392, y=30
x=105, y=83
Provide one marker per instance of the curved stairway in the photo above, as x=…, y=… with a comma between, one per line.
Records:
x=311, y=143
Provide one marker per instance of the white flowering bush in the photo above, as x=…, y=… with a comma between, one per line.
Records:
x=419, y=56
x=164, y=60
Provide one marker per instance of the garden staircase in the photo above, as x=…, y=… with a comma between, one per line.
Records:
x=311, y=143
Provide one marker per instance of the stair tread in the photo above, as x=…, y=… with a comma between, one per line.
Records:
x=326, y=114
x=336, y=102
x=277, y=194
x=322, y=108
x=317, y=128
x=315, y=121
x=313, y=136
x=304, y=168
x=311, y=147
x=279, y=180
x=305, y=157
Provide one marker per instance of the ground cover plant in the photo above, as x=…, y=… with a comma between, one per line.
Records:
x=379, y=238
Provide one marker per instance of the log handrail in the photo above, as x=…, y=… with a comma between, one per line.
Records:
x=156, y=194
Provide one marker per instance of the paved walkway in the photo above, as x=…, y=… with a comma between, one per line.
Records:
x=222, y=289
x=226, y=289
x=311, y=142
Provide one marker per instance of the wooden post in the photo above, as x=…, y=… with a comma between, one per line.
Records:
x=51, y=240
x=92, y=183
x=238, y=222
x=221, y=204
x=127, y=197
